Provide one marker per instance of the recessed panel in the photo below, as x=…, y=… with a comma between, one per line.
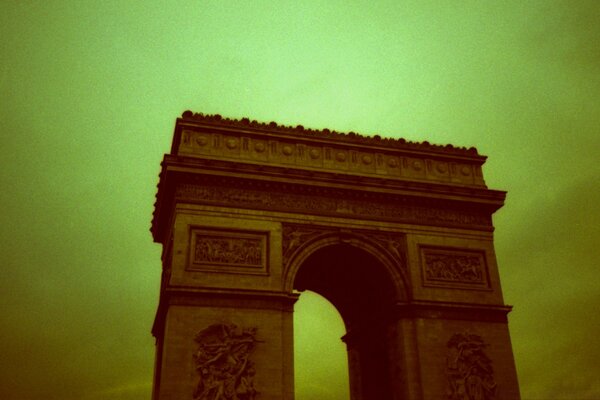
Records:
x=228, y=251
x=454, y=268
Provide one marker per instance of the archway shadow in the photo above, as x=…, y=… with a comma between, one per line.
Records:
x=363, y=292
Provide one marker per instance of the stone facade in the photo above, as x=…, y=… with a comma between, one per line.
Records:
x=397, y=235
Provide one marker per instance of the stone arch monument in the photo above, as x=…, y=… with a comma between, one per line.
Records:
x=397, y=235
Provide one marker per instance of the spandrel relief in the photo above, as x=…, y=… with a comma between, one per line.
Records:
x=295, y=236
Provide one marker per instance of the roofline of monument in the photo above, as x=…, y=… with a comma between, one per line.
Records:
x=332, y=136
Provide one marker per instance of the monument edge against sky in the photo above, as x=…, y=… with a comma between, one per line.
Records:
x=397, y=235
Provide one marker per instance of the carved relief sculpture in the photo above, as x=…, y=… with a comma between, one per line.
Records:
x=469, y=369
x=228, y=251
x=394, y=245
x=235, y=251
x=445, y=267
x=222, y=361
x=296, y=235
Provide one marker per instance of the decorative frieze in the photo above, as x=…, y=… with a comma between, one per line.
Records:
x=333, y=204
x=302, y=152
x=222, y=361
x=468, y=369
x=454, y=268
x=228, y=251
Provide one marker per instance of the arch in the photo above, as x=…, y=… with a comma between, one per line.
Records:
x=364, y=283
x=392, y=266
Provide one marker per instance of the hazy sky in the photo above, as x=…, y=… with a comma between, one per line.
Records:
x=89, y=93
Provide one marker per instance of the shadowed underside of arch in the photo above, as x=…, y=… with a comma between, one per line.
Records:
x=354, y=281
x=358, y=285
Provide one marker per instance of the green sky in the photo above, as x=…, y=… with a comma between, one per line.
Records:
x=89, y=92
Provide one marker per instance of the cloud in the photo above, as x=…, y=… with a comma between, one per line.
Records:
x=549, y=263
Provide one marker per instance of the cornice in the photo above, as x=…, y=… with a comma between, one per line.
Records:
x=489, y=313
x=463, y=212
x=349, y=137
x=450, y=310
x=227, y=298
x=331, y=179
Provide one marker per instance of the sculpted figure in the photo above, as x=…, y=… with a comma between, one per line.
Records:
x=222, y=361
x=469, y=369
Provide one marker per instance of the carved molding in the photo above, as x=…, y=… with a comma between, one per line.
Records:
x=455, y=268
x=334, y=203
x=323, y=156
x=228, y=251
x=296, y=236
x=222, y=360
x=468, y=369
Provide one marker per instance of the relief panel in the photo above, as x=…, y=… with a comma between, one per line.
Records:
x=228, y=251
x=468, y=369
x=222, y=361
x=454, y=268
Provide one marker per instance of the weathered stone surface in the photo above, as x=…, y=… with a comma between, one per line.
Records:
x=397, y=235
x=223, y=363
x=215, y=137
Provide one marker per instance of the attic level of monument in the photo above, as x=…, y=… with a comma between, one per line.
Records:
x=324, y=150
x=350, y=137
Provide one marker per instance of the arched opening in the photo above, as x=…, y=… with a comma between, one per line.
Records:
x=362, y=290
x=320, y=359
